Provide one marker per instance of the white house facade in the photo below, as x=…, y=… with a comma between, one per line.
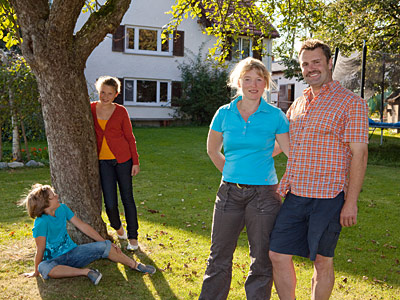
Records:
x=148, y=68
x=286, y=90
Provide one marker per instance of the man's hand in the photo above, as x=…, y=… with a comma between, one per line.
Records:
x=348, y=215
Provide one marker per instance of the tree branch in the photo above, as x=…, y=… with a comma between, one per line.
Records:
x=32, y=16
x=104, y=21
x=62, y=18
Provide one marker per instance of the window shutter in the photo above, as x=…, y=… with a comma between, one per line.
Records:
x=179, y=43
x=257, y=53
x=176, y=92
x=120, y=98
x=118, y=39
x=229, y=46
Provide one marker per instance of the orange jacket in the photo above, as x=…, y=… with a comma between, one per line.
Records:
x=118, y=134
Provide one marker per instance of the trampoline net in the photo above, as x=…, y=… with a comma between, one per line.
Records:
x=381, y=70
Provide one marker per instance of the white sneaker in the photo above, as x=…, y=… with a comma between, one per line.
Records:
x=124, y=236
x=132, y=247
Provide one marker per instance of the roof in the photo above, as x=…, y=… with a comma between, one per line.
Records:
x=278, y=66
x=207, y=21
x=394, y=98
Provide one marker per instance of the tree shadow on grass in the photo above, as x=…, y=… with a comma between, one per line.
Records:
x=118, y=282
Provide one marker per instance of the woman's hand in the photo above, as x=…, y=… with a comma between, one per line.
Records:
x=135, y=170
x=31, y=274
x=214, y=146
x=284, y=143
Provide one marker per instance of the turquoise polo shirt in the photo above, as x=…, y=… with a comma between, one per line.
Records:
x=54, y=229
x=248, y=146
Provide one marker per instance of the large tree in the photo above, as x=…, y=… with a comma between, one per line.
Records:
x=57, y=56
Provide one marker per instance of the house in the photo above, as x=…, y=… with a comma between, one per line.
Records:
x=285, y=90
x=393, y=109
x=148, y=68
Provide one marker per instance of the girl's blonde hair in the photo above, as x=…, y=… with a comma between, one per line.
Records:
x=244, y=66
x=37, y=200
x=110, y=81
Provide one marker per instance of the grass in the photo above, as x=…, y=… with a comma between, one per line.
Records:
x=175, y=193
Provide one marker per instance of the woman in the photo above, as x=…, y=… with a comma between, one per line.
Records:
x=246, y=128
x=118, y=157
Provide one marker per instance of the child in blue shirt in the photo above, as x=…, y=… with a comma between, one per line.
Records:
x=57, y=256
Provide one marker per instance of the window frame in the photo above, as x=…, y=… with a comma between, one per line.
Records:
x=136, y=49
x=240, y=50
x=158, y=103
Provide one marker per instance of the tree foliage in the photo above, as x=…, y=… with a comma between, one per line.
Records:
x=204, y=90
x=19, y=99
x=348, y=23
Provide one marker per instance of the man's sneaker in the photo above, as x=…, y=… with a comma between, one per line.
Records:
x=95, y=276
x=146, y=269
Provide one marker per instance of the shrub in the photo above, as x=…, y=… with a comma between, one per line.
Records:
x=204, y=90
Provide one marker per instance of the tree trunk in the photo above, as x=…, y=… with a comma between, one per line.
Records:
x=16, y=153
x=28, y=154
x=72, y=144
x=57, y=56
x=1, y=142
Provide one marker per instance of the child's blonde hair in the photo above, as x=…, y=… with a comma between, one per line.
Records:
x=110, y=81
x=244, y=66
x=37, y=200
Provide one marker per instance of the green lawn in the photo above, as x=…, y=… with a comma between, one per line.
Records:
x=175, y=192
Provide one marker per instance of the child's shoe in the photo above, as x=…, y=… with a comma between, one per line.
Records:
x=146, y=269
x=132, y=247
x=124, y=236
x=95, y=276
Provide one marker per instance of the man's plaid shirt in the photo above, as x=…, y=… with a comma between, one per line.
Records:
x=320, y=132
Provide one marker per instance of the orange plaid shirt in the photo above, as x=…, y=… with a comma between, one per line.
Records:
x=320, y=132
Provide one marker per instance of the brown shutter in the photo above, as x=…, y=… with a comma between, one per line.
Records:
x=120, y=98
x=257, y=53
x=118, y=39
x=179, y=43
x=176, y=92
x=229, y=46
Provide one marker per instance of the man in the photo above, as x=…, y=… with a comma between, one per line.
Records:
x=325, y=170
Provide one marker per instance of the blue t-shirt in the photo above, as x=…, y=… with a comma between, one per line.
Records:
x=54, y=229
x=248, y=146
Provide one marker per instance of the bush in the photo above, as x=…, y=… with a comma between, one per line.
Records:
x=204, y=90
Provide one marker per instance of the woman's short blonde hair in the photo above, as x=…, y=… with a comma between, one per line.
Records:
x=110, y=81
x=244, y=66
x=37, y=200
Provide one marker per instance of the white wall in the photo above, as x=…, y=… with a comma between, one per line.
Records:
x=277, y=74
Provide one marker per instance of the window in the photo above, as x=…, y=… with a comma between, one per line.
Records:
x=147, y=92
x=274, y=85
x=147, y=41
x=242, y=48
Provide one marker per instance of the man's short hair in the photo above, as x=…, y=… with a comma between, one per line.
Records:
x=313, y=44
